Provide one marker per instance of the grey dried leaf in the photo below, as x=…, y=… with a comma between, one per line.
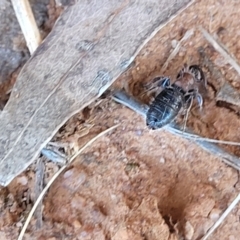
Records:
x=229, y=94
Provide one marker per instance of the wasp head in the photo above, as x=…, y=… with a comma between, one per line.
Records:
x=191, y=78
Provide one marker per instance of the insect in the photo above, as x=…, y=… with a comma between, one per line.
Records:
x=188, y=82
x=176, y=97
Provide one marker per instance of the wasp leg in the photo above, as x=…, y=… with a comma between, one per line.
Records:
x=199, y=99
x=182, y=71
x=158, y=82
x=189, y=97
x=194, y=94
x=198, y=74
x=155, y=86
x=188, y=106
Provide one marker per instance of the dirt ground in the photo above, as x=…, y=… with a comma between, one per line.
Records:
x=134, y=183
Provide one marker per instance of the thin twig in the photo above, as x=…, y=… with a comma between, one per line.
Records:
x=206, y=145
x=199, y=138
x=132, y=103
x=187, y=114
x=38, y=189
x=221, y=49
x=27, y=23
x=175, y=51
x=220, y=220
x=218, y=78
x=55, y=177
x=230, y=159
x=123, y=98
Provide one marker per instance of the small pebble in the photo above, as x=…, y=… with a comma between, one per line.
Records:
x=68, y=173
x=97, y=154
x=210, y=179
x=22, y=180
x=215, y=214
x=19, y=225
x=162, y=160
x=174, y=43
x=81, y=178
x=181, y=54
x=139, y=132
x=77, y=224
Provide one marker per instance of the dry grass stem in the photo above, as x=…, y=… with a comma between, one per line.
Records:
x=221, y=49
x=27, y=23
x=175, y=51
x=199, y=138
x=38, y=189
x=20, y=237
x=221, y=219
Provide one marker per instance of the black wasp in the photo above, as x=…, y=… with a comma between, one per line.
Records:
x=175, y=97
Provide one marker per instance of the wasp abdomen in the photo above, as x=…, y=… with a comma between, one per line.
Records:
x=165, y=107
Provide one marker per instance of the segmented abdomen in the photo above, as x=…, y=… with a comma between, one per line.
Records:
x=164, y=108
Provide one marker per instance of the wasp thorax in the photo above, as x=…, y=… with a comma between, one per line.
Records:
x=186, y=82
